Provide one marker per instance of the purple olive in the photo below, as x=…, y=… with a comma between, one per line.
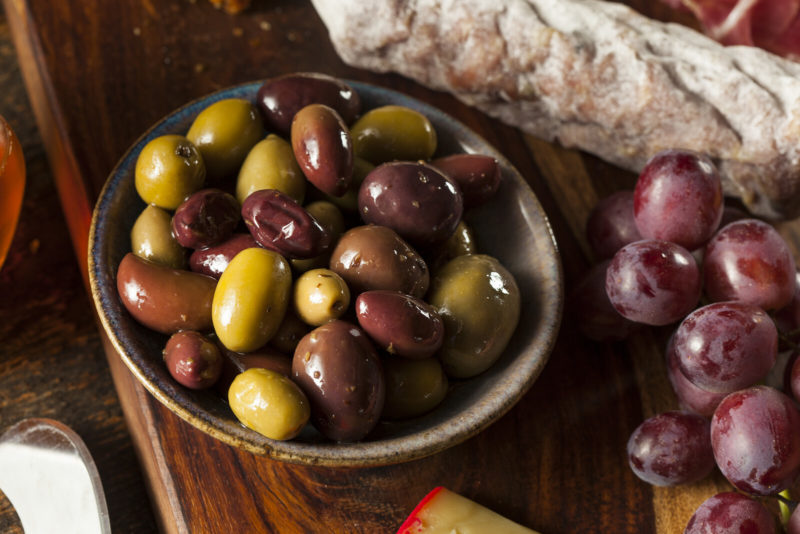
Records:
x=400, y=323
x=193, y=360
x=278, y=223
x=279, y=99
x=416, y=200
x=477, y=175
x=206, y=218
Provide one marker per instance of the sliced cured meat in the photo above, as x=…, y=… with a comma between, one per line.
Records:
x=597, y=76
x=724, y=19
x=769, y=24
x=788, y=43
x=771, y=18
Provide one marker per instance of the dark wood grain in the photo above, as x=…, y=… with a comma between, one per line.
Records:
x=51, y=361
x=99, y=73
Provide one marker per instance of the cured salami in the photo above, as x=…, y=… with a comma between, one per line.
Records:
x=596, y=76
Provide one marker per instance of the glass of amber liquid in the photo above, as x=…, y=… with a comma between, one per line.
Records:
x=12, y=185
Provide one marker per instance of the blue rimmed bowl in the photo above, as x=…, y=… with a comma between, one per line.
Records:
x=512, y=227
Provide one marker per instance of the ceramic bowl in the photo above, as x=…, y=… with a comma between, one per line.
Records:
x=512, y=227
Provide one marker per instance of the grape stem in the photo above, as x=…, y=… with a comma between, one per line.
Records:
x=785, y=505
x=787, y=338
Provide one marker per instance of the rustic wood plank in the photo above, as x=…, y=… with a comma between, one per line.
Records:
x=100, y=73
x=51, y=361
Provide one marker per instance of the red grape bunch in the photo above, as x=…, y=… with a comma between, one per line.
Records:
x=671, y=253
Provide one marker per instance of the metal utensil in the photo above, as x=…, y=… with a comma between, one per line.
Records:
x=49, y=476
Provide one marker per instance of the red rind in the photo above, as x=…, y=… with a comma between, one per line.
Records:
x=412, y=520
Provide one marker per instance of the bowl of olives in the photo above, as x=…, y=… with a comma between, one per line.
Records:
x=325, y=272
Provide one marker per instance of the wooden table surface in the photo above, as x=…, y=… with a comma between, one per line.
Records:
x=98, y=73
x=52, y=362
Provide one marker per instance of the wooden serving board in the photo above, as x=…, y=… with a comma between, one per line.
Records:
x=99, y=73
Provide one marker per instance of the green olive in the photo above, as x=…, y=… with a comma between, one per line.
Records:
x=269, y=403
x=349, y=201
x=152, y=239
x=479, y=303
x=224, y=132
x=270, y=164
x=251, y=298
x=331, y=218
x=413, y=387
x=320, y=296
x=169, y=169
x=460, y=242
x=393, y=133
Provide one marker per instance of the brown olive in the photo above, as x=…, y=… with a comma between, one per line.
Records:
x=192, y=359
x=289, y=334
x=164, y=299
x=323, y=149
x=338, y=369
x=375, y=257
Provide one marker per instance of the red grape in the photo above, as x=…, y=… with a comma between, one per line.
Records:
x=691, y=397
x=611, y=226
x=671, y=448
x=678, y=198
x=653, y=282
x=592, y=311
x=731, y=513
x=726, y=346
x=748, y=260
x=755, y=434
